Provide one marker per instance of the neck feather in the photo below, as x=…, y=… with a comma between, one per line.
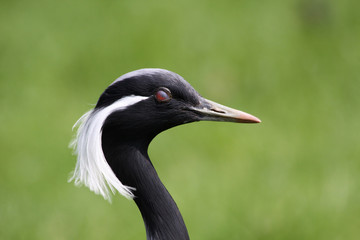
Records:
x=131, y=164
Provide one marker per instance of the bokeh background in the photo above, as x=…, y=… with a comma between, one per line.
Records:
x=295, y=64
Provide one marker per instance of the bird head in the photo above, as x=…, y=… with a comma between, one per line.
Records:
x=154, y=100
x=138, y=106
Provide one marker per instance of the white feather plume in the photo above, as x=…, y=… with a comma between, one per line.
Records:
x=92, y=169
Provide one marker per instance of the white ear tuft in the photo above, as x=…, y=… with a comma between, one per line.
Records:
x=92, y=169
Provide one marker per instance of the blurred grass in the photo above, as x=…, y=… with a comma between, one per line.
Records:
x=295, y=64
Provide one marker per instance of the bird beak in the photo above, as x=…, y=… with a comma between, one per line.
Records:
x=212, y=111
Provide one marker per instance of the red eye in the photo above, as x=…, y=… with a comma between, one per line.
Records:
x=163, y=95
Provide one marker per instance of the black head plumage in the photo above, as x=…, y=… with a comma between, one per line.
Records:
x=145, y=82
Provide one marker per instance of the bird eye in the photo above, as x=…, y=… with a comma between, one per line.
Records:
x=163, y=95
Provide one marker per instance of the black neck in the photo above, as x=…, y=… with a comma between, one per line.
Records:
x=131, y=164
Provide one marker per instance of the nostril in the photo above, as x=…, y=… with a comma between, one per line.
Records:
x=217, y=110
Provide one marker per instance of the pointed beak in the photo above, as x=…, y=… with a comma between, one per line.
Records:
x=212, y=111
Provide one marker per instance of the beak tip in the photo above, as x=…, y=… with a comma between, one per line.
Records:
x=257, y=121
x=248, y=118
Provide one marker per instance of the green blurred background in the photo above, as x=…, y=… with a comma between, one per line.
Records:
x=295, y=64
